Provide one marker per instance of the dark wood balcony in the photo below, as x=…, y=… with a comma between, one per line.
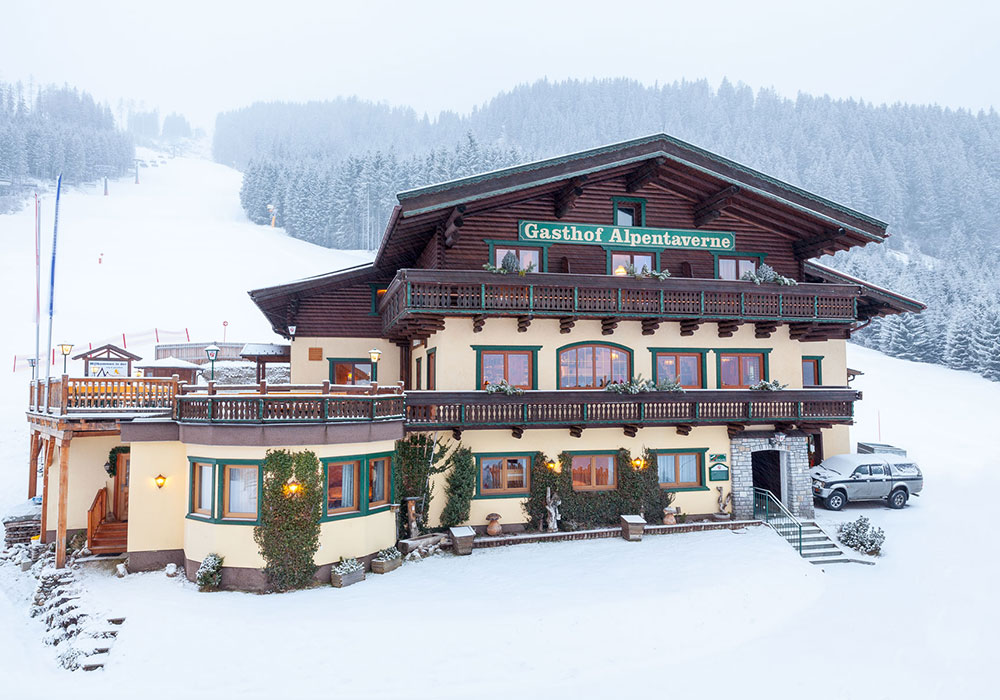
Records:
x=808, y=409
x=417, y=301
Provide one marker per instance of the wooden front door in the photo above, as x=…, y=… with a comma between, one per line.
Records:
x=121, y=488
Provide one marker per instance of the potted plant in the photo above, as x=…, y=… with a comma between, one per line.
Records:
x=346, y=572
x=386, y=560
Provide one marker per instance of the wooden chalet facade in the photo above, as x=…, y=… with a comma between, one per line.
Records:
x=586, y=241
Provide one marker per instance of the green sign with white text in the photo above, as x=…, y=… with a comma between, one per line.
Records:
x=625, y=236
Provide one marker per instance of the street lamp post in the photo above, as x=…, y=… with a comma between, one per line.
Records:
x=33, y=363
x=65, y=349
x=213, y=352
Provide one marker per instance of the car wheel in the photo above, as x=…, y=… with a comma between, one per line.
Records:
x=835, y=501
x=897, y=499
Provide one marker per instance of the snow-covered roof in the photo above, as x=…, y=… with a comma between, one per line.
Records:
x=168, y=363
x=265, y=350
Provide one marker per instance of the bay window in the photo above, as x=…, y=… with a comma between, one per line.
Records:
x=239, y=491
x=343, y=486
x=378, y=481
x=203, y=481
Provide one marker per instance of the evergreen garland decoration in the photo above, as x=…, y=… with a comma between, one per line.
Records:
x=638, y=492
x=288, y=531
x=416, y=459
x=112, y=464
x=460, y=487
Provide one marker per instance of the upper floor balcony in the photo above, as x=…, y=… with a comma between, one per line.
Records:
x=417, y=301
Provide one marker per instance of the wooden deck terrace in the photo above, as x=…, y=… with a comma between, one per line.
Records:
x=91, y=401
x=807, y=409
x=417, y=301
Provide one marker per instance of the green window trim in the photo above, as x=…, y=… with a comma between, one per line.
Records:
x=218, y=506
x=480, y=349
x=480, y=495
x=427, y=369
x=719, y=352
x=734, y=254
x=365, y=472
x=610, y=250
x=365, y=360
x=374, y=287
x=628, y=351
x=543, y=246
x=703, y=457
x=640, y=201
x=689, y=351
x=592, y=453
x=819, y=368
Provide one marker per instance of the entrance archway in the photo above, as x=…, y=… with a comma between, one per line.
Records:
x=767, y=472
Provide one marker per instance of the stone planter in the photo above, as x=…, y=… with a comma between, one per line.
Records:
x=384, y=567
x=632, y=527
x=342, y=581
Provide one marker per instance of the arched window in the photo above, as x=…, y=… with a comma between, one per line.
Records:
x=593, y=366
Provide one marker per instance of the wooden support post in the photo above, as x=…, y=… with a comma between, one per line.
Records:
x=49, y=450
x=63, y=503
x=33, y=464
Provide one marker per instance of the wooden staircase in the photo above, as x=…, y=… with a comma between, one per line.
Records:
x=104, y=537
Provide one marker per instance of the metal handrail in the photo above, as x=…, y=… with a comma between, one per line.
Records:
x=773, y=512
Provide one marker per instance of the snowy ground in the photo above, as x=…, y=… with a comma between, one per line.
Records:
x=719, y=613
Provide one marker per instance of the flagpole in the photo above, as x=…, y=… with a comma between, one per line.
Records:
x=38, y=283
x=52, y=289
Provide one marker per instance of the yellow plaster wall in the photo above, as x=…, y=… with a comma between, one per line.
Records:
x=455, y=353
x=159, y=522
x=306, y=371
x=156, y=515
x=551, y=442
x=87, y=456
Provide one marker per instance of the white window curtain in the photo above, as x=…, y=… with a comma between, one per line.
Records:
x=347, y=476
x=688, y=468
x=378, y=480
x=243, y=490
x=665, y=468
x=205, y=487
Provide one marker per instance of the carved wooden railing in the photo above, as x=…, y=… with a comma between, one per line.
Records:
x=470, y=292
x=289, y=403
x=472, y=409
x=91, y=394
x=96, y=514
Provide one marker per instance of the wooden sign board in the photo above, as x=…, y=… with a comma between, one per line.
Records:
x=107, y=368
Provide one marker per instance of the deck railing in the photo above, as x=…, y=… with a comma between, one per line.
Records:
x=477, y=409
x=96, y=514
x=470, y=292
x=102, y=394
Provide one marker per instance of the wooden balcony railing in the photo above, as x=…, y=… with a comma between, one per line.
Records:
x=68, y=395
x=561, y=409
x=288, y=403
x=470, y=293
x=96, y=514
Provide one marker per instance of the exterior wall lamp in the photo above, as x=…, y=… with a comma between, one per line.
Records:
x=212, y=351
x=291, y=331
x=554, y=466
x=65, y=349
x=159, y=480
x=292, y=486
x=638, y=463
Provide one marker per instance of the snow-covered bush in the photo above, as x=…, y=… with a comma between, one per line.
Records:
x=388, y=554
x=861, y=536
x=765, y=274
x=502, y=387
x=773, y=385
x=347, y=566
x=209, y=576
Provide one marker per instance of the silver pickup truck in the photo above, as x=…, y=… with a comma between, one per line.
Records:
x=874, y=477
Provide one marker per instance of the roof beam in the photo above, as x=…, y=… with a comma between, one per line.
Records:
x=450, y=229
x=643, y=175
x=711, y=208
x=565, y=198
x=810, y=247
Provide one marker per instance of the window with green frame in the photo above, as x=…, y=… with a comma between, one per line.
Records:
x=504, y=474
x=740, y=368
x=683, y=365
x=681, y=469
x=812, y=370
x=357, y=485
x=593, y=365
x=352, y=370
x=224, y=490
x=517, y=364
x=732, y=266
x=535, y=253
x=628, y=211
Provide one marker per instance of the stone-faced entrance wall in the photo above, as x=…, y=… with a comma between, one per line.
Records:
x=797, y=487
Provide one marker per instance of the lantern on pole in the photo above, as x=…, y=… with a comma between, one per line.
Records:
x=212, y=351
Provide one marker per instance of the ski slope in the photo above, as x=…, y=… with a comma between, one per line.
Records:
x=174, y=252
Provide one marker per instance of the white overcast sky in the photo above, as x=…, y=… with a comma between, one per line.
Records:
x=203, y=57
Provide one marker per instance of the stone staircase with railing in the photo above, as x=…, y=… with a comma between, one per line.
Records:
x=810, y=540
